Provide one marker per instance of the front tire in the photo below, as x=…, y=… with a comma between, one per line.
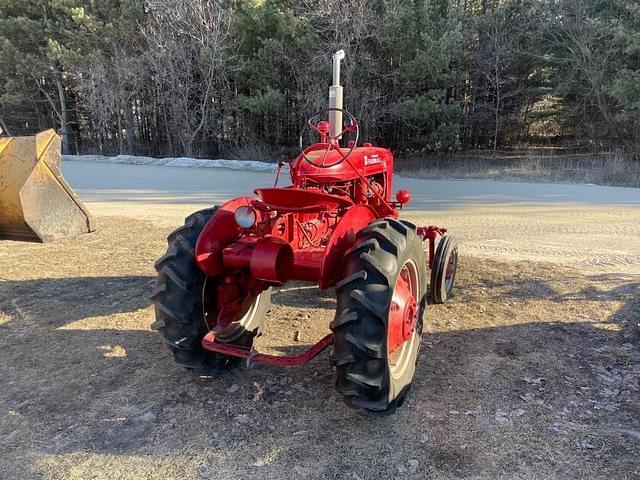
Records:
x=178, y=298
x=443, y=270
x=369, y=374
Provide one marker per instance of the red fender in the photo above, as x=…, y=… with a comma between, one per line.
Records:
x=342, y=239
x=220, y=230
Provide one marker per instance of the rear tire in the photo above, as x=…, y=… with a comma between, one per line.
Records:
x=178, y=299
x=443, y=270
x=366, y=373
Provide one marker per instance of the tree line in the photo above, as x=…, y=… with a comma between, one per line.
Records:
x=239, y=77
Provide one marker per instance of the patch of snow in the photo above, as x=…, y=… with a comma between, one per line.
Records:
x=183, y=162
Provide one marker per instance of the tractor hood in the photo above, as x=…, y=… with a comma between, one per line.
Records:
x=366, y=159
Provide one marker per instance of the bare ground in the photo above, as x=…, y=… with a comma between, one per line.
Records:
x=531, y=371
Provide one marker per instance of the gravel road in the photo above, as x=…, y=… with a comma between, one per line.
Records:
x=586, y=226
x=171, y=185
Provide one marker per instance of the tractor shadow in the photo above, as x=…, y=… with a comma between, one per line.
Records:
x=82, y=373
x=305, y=296
x=55, y=302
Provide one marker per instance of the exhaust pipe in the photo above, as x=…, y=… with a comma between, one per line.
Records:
x=335, y=97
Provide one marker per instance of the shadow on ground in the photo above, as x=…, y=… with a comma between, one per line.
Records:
x=54, y=302
x=89, y=389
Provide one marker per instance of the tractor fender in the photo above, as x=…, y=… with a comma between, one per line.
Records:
x=220, y=230
x=342, y=239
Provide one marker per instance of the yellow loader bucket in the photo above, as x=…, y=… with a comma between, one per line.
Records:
x=36, y=203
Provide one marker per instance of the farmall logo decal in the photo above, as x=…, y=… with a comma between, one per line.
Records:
x=372, y=160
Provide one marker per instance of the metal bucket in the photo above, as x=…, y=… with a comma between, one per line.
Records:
x=36, y=203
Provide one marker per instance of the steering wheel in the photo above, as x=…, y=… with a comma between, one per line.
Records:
x=332, y=141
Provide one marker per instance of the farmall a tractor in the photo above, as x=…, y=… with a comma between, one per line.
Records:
x=335, y=226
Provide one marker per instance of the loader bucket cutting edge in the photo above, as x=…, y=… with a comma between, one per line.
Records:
x=36, y=203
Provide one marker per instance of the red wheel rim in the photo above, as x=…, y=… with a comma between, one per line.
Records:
x=402, y=330
x=210, y=314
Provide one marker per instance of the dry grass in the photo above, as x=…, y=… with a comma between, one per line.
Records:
x=529, y=166
x=531, y=371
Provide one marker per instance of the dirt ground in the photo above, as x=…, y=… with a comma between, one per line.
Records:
x=531, y=371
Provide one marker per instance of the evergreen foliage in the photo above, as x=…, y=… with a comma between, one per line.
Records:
x=205, y=77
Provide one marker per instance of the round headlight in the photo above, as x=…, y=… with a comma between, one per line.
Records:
x=245, y=217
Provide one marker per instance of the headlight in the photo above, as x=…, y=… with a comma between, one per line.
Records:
x=245, y=217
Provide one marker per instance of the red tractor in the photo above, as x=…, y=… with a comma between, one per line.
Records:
x=336, y=226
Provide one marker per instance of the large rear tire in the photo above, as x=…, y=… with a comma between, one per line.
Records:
x=178, y=298
x=369, y=375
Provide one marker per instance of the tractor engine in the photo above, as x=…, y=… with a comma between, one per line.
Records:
x=360, y=192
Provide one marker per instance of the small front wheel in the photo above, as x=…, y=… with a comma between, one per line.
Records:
x=443, y=270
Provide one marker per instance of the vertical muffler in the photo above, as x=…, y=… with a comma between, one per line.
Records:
x=335, y=97
x=36, y=203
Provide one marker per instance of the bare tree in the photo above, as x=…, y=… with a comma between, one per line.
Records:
x=496, y=52
x=350, y=25
x=191, y=58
